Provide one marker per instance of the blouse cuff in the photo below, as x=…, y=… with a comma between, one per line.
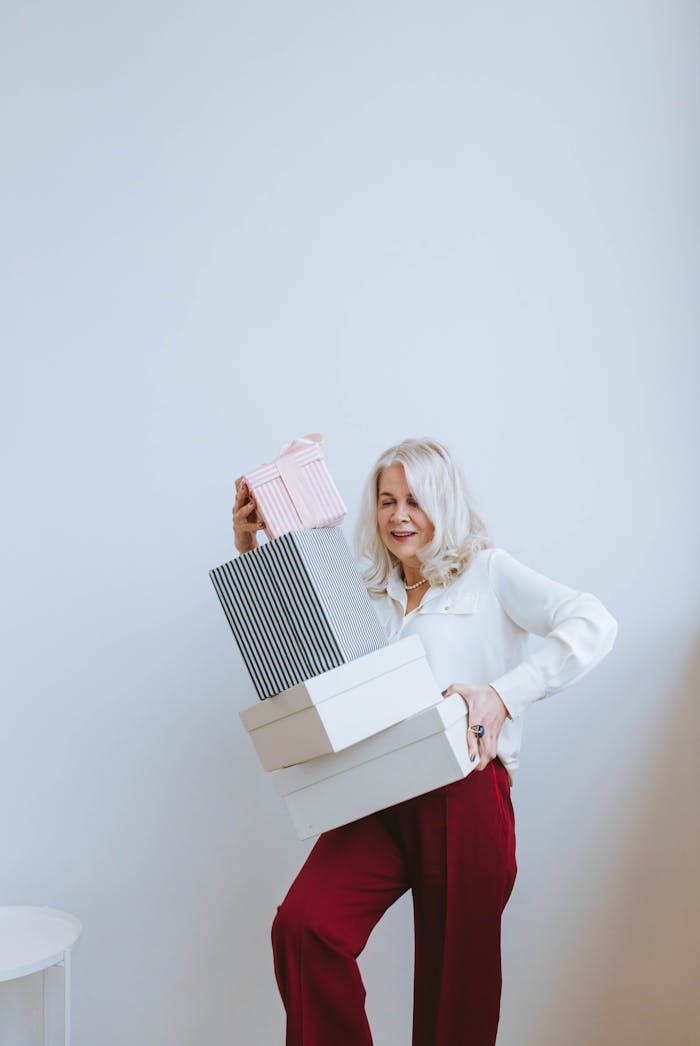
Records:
x=519, y=688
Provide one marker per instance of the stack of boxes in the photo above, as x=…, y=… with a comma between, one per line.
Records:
x=346, y=722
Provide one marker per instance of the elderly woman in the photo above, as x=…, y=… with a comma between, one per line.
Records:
x=431, y=570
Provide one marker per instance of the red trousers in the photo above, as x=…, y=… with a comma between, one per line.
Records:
x=454, y=848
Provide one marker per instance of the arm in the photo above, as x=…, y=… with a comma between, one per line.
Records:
x=578, y=631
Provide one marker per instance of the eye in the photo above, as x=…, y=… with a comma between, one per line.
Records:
x=390, y=501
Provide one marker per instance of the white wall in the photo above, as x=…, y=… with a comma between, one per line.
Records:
x=228, y=225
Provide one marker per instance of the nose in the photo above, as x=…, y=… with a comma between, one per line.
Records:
x=399, y=515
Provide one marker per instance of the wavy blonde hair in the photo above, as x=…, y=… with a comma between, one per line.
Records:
x=436, y=479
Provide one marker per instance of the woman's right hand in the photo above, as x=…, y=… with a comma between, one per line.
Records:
x=246, y=522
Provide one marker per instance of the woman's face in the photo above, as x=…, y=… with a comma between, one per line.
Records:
x=399, y=513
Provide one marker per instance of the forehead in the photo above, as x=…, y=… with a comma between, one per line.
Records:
x=392, y=480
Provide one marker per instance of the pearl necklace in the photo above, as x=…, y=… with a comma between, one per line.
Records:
x=417, y=585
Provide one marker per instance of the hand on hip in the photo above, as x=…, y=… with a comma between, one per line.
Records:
x=486, y=710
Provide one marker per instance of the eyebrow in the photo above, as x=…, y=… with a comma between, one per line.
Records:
x=388, y=494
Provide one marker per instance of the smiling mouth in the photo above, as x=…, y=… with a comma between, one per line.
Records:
x=402, y=533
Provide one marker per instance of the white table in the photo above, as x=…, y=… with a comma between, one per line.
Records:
x=34, y=939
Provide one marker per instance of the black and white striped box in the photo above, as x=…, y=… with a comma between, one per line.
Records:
x=297, y=607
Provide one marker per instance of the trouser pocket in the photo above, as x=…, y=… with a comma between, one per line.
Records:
x=499, y=797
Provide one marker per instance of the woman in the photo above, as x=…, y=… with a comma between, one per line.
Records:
x=431, y=570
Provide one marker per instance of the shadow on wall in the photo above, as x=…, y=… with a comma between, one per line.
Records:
x=630, y=974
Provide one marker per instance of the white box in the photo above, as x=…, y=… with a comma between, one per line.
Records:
x=421, y=753
x=342, y=706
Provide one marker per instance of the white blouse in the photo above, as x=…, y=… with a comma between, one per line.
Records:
x=475, y=630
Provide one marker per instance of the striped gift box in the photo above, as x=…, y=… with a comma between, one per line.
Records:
x=297, y=607
x=296, y=491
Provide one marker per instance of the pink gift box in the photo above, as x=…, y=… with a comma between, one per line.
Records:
x=296, y=491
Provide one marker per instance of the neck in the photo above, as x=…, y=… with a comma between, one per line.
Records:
x=411, y=575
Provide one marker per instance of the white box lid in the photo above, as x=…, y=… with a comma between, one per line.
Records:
x=329, y=684
x=433, y=720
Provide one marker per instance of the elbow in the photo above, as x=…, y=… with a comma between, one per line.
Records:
x=610, y=633
x=606, y=626
x=613, y=629
x=600, y=628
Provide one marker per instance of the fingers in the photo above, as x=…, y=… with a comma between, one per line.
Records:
x=242, y=492
x=481, y=750
x=245, y=506
x=245, y=510
x=247, y=527
x=487, y=751
x=245, y=502
x=472, y=740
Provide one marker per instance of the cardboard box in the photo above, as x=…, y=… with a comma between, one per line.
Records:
x=297, y=607
x=421, y=753
x=339, y=708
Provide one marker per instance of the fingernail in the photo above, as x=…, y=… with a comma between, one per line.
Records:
x=472, y=758
x=443, y=692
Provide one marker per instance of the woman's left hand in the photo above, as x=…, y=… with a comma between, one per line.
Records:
x=485, y=707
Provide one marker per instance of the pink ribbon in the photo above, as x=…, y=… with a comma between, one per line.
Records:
x=305, y=501
x=301, y=441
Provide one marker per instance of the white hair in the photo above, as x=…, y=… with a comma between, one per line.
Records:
x=436, y=479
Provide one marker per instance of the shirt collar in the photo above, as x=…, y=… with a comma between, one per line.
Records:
x=395, y=586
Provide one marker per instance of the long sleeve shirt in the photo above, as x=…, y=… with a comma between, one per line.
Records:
x=475, y=630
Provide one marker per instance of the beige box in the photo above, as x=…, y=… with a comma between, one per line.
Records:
x=340, y=707
x=423, y=752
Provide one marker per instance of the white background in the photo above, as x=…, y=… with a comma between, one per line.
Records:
x=226, y=225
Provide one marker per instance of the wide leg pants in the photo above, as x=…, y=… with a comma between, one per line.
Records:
x=454, y=847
